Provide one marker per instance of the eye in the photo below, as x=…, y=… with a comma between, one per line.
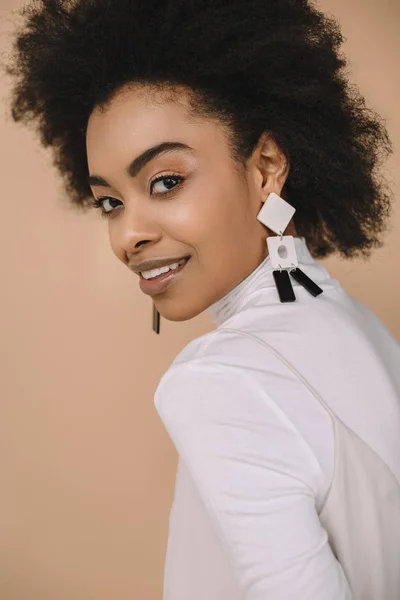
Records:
x=167, y=181
x=106, y=204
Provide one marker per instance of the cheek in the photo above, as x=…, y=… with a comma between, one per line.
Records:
x=221, y=239
x=211, y=209
x=226, y=220
x=187, y=220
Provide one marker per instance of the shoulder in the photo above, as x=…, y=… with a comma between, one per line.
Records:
x=209, y=348
x=228, y=355
x=211, y=403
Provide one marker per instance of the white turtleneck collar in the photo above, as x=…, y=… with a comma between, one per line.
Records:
x=262, y=278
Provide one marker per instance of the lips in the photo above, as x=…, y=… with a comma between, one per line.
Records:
x=168, y=272
x=150, y=265
x=160, y=283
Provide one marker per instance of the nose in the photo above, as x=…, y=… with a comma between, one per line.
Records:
x=132, y=230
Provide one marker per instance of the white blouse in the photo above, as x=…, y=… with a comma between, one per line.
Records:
x=257, y=450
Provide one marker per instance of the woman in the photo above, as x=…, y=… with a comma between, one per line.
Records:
x=226, y=133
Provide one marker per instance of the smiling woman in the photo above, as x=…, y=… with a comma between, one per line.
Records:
x=176, y=197
x=196, y=127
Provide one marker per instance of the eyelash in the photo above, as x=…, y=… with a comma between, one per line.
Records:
x=99, y=202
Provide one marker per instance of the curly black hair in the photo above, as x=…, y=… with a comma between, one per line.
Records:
x=254, y=65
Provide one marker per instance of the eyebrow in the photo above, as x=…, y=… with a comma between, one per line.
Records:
x=141, y=161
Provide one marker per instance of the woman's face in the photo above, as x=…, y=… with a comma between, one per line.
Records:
x=203, y=208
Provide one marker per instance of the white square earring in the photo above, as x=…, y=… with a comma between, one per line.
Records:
x=276, y=213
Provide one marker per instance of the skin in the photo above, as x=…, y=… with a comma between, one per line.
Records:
x=211, y=215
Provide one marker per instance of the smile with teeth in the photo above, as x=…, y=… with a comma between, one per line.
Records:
x=156, y=272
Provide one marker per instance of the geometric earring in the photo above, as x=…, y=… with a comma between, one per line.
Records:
x=306, y=282
x=276, y=214
x=283, y=258
x=156, y=319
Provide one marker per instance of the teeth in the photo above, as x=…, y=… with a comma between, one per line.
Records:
x=156, y=272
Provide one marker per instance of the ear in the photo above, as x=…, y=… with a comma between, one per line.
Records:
x=269, y=166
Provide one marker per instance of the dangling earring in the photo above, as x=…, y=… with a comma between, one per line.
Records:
x=276, y=214
x=156, y=319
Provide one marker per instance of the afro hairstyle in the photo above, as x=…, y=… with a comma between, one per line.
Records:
x=255, y=66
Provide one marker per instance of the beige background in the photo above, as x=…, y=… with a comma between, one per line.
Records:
x=87, y=469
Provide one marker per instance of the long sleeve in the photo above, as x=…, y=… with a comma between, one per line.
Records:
x=258, y=480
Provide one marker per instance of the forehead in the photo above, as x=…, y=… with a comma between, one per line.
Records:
x=137, y=118
x=141, y=108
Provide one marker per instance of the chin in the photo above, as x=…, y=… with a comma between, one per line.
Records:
x=175, y=312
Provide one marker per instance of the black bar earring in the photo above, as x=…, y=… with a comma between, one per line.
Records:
x=284, y=286
x=156, y=319
x=306, y=282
